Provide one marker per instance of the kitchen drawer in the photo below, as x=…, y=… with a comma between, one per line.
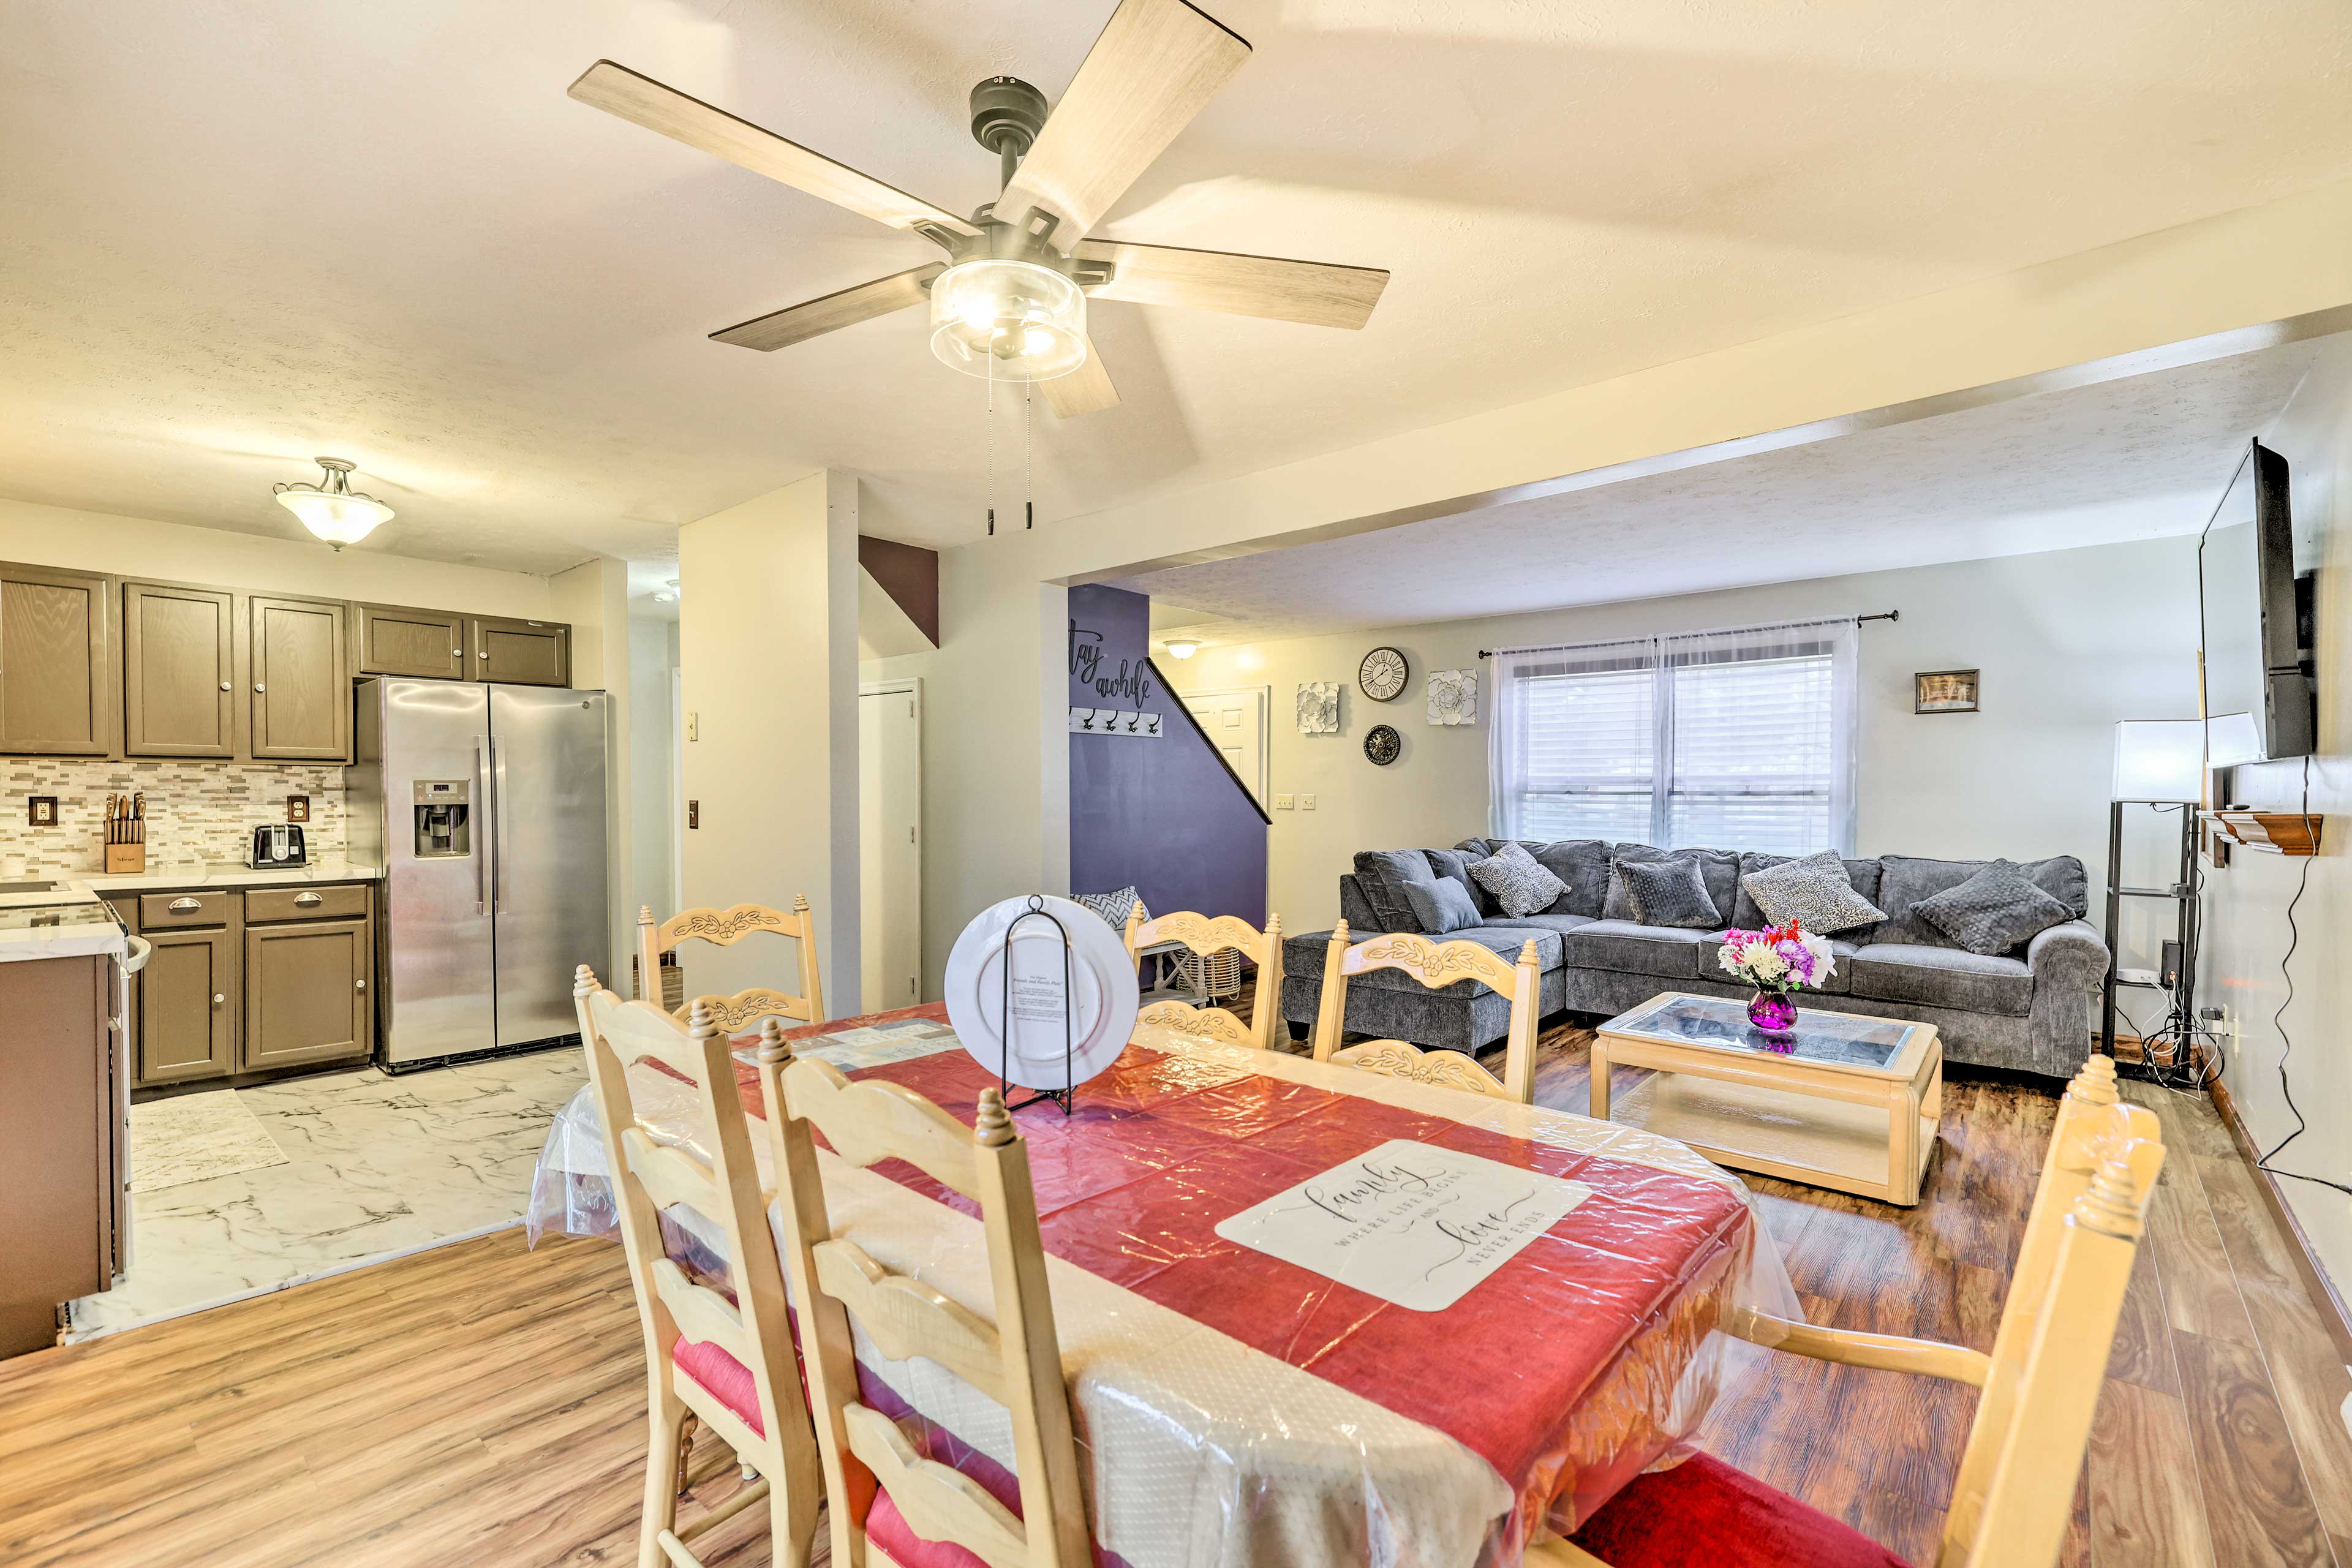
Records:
x=340, y=901
x=176, y=911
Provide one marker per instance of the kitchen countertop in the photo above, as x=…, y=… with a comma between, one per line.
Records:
x=226, y=874
x=64, y=930
x=71, y=922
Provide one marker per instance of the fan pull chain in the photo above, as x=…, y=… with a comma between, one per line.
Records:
x=991, y=445
x=1028, y=436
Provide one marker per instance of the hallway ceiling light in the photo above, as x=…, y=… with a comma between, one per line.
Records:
x=1183, y=647
x=331, y=508
x=667, y=595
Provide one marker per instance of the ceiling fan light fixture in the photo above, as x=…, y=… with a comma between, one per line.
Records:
x=330, y=508
x=1013, y=320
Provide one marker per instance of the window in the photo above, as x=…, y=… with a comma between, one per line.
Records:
x=1737, y=739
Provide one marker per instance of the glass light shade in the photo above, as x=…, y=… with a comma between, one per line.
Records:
x=339, y=520
x=1183, y=647
x=1014, y=320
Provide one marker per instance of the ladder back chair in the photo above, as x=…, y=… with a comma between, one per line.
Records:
x=2015, y=1489
x=725, y=928
x=1435, y=964
x=883, y=1493
x=1204, y=936
x=729, y=1365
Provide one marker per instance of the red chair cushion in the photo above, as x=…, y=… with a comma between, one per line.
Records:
x=1705, y=1511
x=888, y=1529
x=722, y=1377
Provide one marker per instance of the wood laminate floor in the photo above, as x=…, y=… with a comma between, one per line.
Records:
x=485, y=1406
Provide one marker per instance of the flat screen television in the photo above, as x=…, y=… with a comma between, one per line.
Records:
x=2257, y=641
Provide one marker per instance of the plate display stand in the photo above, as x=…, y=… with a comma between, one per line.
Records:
x=1061, y=1097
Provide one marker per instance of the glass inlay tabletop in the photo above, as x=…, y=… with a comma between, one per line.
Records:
x=1821, y=1039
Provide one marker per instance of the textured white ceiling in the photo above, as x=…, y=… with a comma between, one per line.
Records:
x=2138, y=457
x=240, y=234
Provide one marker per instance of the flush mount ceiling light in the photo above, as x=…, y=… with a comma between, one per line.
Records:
x=667, y=595
x=1182, y=647
x=331, y=508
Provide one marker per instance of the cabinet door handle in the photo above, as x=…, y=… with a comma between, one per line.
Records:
x=218, y=998
x=307, y=898
x=484, y=654
x=362, y=986
x=259, y=687
x=224, y=686
x=185, y=906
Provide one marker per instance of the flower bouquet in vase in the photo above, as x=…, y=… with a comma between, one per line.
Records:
x=1775, y=962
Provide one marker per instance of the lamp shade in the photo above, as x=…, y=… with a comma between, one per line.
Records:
x=2158, y=759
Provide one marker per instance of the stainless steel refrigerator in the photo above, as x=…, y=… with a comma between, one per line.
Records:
x=484, y=805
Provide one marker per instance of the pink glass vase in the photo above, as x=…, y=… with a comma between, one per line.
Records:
x=1773, y=1014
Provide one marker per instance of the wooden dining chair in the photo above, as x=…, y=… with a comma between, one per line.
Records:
x=1435, y=964
x=2015, y=1489
x=725, y=928
x=882, y=1489
x=727, y=1363
x=1204, y=935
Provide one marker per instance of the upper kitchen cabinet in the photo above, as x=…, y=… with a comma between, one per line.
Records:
x=519, y=653
x=301, y=684
x=179, y=671
x=389, y=640
x=57, y=698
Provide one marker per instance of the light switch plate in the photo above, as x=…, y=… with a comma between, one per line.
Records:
x=1282, y=803
x=693, y=725
x=1306, y=803
x=694, y=814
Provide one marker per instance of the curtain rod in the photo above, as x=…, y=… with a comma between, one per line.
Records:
x=1882, y=615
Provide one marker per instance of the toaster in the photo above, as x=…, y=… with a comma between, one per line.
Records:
x=275, y=844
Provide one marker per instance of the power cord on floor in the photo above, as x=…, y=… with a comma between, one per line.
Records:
x=2278, y=1019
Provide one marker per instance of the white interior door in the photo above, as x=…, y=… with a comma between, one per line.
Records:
x=1235, y=722
x=890, y=816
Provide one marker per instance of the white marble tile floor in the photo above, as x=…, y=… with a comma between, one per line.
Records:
x=377, y=1166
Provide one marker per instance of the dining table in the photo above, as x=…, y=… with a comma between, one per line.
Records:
x=1237, y=1409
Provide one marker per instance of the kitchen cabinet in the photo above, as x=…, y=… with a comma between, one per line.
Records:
x=305, y=993
x=56, y=659
x=519, y=653
x=301, y=698
x=187, y=1007
x=179, y=671
x=429, y=644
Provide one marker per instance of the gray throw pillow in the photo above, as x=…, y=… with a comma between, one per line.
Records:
x=1519, y=885
x=1668, y=893
x=1442, y=906
x=1994, y=911
x=1815, y=891
x=1113, y=907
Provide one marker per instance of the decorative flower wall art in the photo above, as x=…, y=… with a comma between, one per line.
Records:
x=1453, y=697
x=1318, y=707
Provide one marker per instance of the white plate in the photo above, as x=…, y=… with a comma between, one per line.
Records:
x=1101, y=979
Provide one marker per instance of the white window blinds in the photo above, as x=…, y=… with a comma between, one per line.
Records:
x=1733, y=740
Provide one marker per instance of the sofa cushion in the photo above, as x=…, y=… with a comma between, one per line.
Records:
x=1519, y=885
x=1815, y=891
x=1908, y=880
x=1441, y=906
x=1838, y=984
x=1719, y=868
x=1582, y=867
x=1863, y=875
x=1630, y=949
x=1943, y=977
x=1354, y=907
x=1997, y=909
x=1454, y=864
x=1668, y=893
x=1557, y=925
x=1383, y=874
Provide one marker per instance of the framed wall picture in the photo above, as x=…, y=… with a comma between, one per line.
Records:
x=1944, y=691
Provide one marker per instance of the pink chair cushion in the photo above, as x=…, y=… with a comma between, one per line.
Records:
x=722, y=1377
x=888, y=1529
x=1705, y=1511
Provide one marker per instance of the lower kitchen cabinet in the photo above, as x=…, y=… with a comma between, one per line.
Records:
x=306, y=994
x=188, y=997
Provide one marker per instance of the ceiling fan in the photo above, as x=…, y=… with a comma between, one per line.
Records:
x=1011, y=299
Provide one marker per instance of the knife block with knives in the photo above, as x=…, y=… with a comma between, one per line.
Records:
x=126, y=834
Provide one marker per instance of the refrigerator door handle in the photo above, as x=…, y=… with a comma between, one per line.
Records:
x=481, y=851
x=499, y=810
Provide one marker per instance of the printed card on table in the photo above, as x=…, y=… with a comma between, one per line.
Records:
x=1409, y=1223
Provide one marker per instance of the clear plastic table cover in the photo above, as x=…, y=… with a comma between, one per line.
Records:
x=1234, y=1409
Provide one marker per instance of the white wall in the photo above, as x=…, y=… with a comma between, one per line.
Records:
x=2068, y=643
x=654, y=816
x=2247, y=934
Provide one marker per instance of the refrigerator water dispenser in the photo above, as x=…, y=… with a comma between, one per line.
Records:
x=444, y=826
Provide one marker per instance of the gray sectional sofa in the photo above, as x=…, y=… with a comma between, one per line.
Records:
x=2029, y=1010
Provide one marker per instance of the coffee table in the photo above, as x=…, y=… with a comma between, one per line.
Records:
x=1850, y=1103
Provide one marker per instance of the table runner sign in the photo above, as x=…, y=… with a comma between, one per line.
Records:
x=1413, y=1223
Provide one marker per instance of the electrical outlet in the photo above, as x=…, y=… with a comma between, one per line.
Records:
x=1306, y=803
x=41, y=810
x=1282, y=803
x=693, y=725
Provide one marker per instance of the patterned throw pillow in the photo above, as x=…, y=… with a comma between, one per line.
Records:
x=1668, y=893
x=1113, y=907
x=1816, y=891
x=1519, y=885
x=1994, y=911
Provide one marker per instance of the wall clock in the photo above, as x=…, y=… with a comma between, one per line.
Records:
x=1383, y=674
x=1381, y=744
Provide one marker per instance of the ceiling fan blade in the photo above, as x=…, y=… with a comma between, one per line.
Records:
x=1156, y=66
x=1085, y=390
x=1319, y=293
x=813, y=318
x=617, y=89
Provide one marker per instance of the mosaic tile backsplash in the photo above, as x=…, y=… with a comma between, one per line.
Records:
x=195, y=811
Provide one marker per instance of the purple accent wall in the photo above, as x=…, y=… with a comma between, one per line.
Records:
x=1166, y=816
